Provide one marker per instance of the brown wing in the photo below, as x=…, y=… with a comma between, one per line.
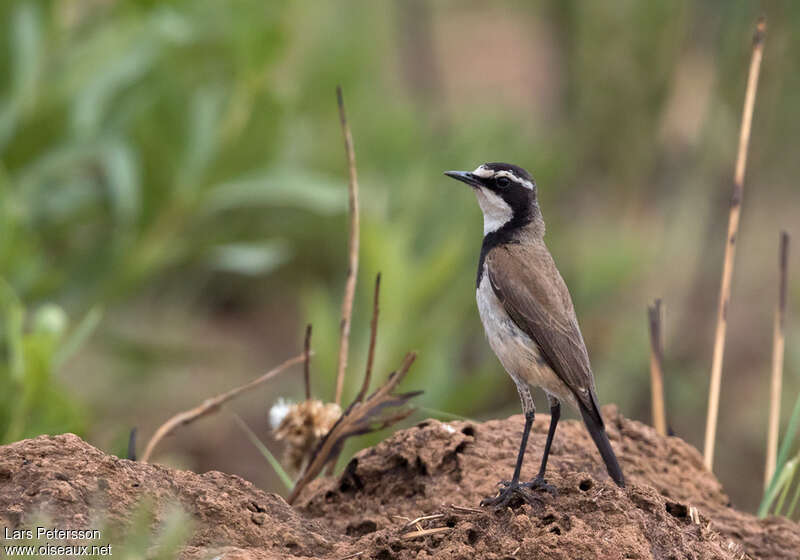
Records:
x=527, y=282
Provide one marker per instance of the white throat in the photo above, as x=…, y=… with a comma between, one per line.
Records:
x=496, y=212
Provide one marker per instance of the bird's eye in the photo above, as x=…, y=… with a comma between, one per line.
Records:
x=502, y=181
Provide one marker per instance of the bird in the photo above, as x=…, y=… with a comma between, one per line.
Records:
x=529, y=318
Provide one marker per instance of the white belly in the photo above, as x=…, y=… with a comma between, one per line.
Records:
x=518, y=353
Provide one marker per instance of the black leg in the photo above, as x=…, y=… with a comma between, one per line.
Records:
x=514, y=487
x=555, y=414
x=523, y=444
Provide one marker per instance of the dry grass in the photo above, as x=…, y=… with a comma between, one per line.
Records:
x=352, y=250
x=730, y=245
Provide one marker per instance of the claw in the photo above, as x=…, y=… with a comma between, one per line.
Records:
x=540, y=483
x=508, y=493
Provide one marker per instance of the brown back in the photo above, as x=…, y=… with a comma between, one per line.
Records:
x=525, y=279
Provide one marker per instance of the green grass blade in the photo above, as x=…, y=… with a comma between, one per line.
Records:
x=27, y=53
x=795, y=498
x=791, y=432
x=79, y=335
x=276, y=466
x=14, y=318
x=778, y=484
x=783, y=454
x=791, y=470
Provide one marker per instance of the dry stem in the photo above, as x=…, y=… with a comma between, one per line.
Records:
x=656, y=369
x=359, y=418
x=307, y=362
x=373, y=335
x=352, y=267
x=354, y=555
x=462, y=509
x=131, y=455
x=424, y=532
x=778, y=341
x=422, y=518
x=211, y=405
x=730, y=246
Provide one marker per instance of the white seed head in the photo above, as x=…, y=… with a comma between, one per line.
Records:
x=302, y=427
x=278, y=412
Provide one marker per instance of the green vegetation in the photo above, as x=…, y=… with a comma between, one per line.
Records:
x=186, y=155
x=287, y=481
x=787, y=473
x=141, y=537
x=33, y=402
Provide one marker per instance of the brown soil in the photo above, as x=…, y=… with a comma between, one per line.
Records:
x=672, y=507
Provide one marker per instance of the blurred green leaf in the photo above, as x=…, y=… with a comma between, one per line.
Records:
x=122, y=169
x=78, y=337
x=13, y=315
x=25, y=38
x=94, y=101
x=250, y=259
x=281, y=188
x=204, y=116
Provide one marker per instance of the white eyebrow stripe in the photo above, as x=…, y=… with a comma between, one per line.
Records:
x=525, y=183
x=483, y=172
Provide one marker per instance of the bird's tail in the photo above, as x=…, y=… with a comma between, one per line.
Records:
x=594, y=423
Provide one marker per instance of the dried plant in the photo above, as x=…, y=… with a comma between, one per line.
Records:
x=352, y=249
x=657, y=369
x=359, y=418
x=778, y=343
x=730, y=245
x=301, y=426
x=314, y=432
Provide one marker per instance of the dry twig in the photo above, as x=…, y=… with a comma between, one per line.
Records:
x=462, y=509
x=359, y=418
x=373, y=335
x=422, y=518
x=778, y=342
x=362, y=416
x=656, y=369
x=352, y=248
x=694, y=515
x=211, y=405
x=730, y=245
x=424, y=532
x=131, y=455
x=307, y=362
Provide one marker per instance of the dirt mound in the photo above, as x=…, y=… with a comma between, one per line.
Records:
x=71, y=483
x=672, y=507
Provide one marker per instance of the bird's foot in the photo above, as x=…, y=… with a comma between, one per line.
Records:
x=539, y=483
x=511, y=494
